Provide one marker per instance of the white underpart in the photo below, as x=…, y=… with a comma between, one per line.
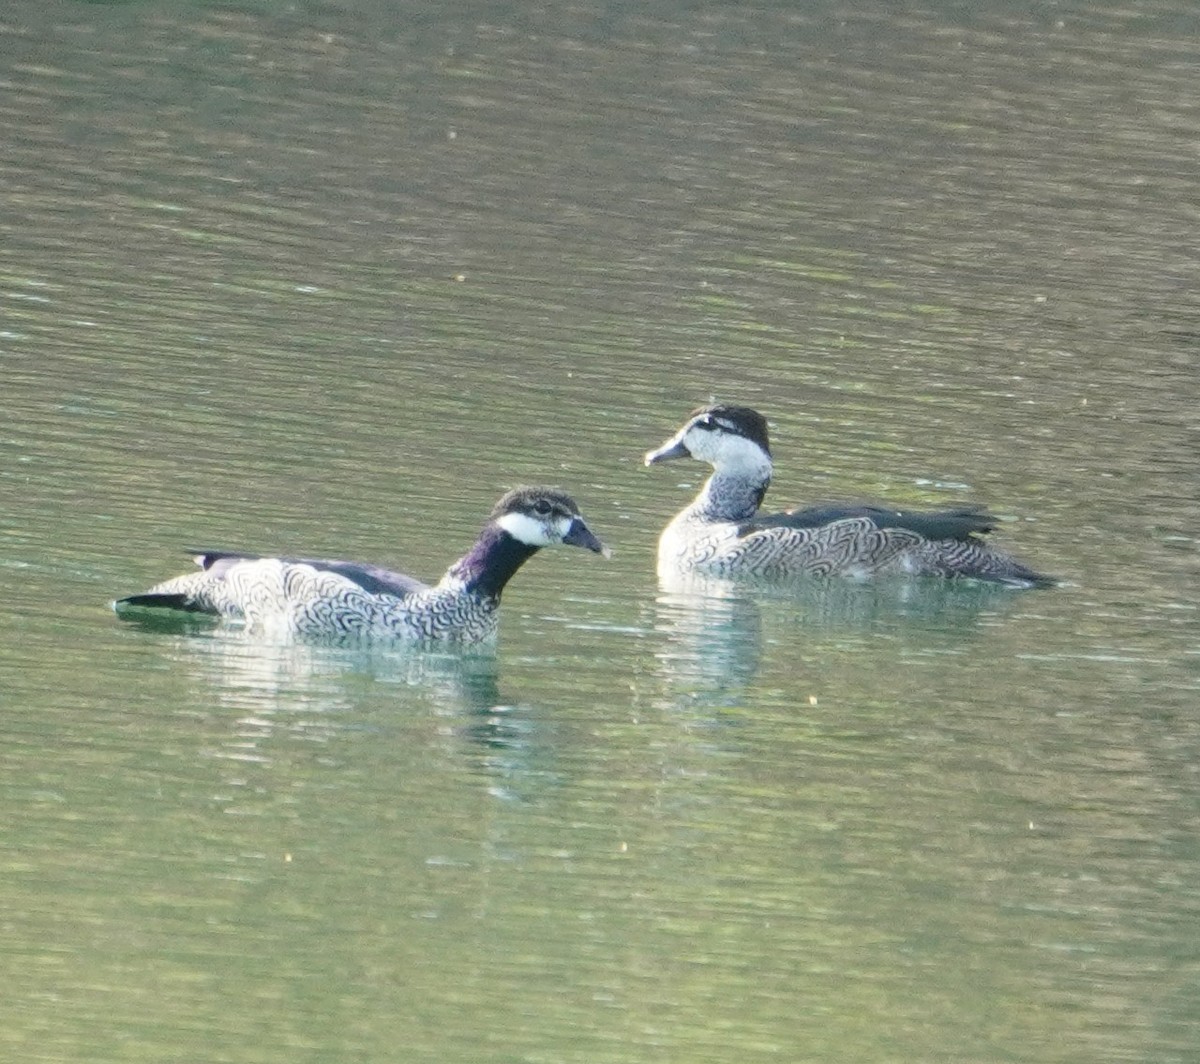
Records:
x=533, y=532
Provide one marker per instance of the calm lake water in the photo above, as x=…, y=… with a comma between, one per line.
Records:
x=329, y=277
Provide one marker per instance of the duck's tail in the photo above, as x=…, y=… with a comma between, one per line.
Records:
x=190, y=592
x=1001, y=568
x=177, y=600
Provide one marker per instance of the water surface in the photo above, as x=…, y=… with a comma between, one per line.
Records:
x=328, y=279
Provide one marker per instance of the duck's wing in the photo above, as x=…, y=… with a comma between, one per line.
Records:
x=202, y=592
x=961, y=523
x=876, y=539
x=374, y=579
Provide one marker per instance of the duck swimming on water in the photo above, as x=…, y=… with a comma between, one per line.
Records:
x=322, y=598
x=722, y=533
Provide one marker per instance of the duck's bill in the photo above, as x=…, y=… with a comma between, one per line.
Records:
x=669, y=451
x=579, y=535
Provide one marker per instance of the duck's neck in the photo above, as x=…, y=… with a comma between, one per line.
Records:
x=734, y=494
x=489, y=564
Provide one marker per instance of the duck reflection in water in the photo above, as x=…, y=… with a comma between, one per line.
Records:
x=714, y=627
x=712, y=632
x=278, y=690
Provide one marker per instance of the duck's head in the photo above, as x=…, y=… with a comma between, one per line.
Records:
x=542, y=517
x=728, y=438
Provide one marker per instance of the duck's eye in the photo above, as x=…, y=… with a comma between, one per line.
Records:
x=542, y=507
x=707, y=422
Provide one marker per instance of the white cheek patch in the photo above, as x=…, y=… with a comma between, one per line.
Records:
x=530, y=532
x=731, y=452
x=697, y=441
x=738, y=453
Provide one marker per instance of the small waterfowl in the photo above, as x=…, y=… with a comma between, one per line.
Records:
x=324, y=598
x=722, y=532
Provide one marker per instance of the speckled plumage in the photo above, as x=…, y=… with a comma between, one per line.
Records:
x=722, y=533
x=325, y=598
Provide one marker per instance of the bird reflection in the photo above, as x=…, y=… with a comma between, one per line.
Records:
x=713, y=628
x=712, y=631
x=915, y=604
x=271, y=702
x=273, y=682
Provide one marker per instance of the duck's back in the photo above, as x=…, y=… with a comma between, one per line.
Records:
x=373, y=578
x=288, y=597
x=853, y=541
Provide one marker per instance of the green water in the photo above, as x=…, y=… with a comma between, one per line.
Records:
x=329, y=278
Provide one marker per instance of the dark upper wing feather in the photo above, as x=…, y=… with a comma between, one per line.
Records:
x=961, y=522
